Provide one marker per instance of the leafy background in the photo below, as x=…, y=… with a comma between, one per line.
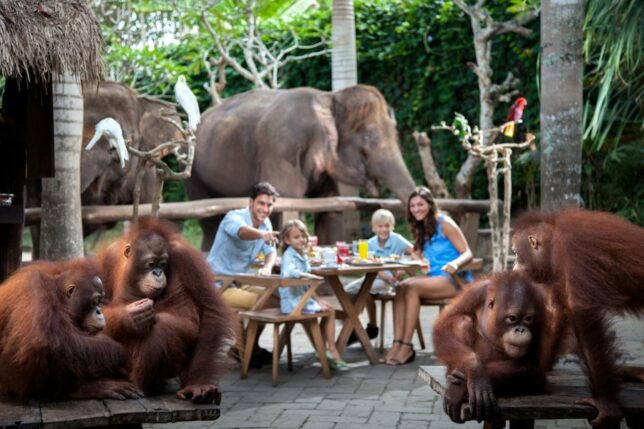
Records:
x=415, y=52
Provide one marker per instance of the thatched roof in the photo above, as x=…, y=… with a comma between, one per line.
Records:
x=49, y=36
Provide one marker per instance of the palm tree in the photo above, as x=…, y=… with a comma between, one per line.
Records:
x=561, y=103
x=344, y=73
x=61, y=234
x=343, y=59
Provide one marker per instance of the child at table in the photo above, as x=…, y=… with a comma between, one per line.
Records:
x=295, y=264
x=384, y=243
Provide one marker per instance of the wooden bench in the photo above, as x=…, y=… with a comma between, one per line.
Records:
x=565, y=387
x=130, y=413
x=258, y=316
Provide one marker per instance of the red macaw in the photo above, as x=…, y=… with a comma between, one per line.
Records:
x=514, y=114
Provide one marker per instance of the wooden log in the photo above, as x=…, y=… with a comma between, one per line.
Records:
x=217, y=206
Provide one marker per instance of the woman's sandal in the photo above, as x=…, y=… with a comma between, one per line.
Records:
x=383, y=359
x=412, y=356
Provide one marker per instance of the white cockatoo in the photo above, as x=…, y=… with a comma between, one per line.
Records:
x=112, y=131
x=188, y=102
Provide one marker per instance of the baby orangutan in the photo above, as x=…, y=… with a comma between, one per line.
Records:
x=492, y=338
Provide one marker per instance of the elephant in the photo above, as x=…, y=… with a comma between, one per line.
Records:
x=103, y=181
x=302, y=140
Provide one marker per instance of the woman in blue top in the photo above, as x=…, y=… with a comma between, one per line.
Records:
x=439, y=241
x=295, y=264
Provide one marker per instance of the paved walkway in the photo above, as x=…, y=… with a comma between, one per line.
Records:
x=364, y=396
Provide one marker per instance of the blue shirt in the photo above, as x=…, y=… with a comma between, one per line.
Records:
x=396, y=244
x=293, y=265
x=439, y=251
x=230, y=254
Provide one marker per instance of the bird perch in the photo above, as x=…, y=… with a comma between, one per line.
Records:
x=497, y=158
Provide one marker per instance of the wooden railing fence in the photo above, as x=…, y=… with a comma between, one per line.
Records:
x=468, y=211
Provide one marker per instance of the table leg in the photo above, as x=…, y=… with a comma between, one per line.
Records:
x=352, y=310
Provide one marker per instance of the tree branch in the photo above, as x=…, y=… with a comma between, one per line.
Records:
x=434, y=181
x=224, y=52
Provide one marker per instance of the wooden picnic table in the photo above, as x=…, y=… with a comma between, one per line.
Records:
x=130, y=413
x=353, y=309
x=565, y=387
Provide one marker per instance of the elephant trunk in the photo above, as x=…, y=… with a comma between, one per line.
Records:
x=394, y=175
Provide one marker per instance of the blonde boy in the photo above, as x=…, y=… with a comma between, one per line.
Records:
x=384, y=243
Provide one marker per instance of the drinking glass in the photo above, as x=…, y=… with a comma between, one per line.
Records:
x=354, y=247
x=363, y=249
x=343, y=251
x=329, y=258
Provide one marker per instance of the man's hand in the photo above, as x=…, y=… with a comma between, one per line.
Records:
x=270, y=237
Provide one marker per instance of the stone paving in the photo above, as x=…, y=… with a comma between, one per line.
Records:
x=364, y=396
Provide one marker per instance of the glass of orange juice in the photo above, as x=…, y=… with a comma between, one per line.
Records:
x=363, y=249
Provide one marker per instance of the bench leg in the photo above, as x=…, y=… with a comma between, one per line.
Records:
x=383, y=307
x=289, y=351
x=276, y=351
x=251, y=334
x=419, y=332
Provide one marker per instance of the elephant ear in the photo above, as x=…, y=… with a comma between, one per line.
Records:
x=364, y=118
x=344, y=164
x=322, y=107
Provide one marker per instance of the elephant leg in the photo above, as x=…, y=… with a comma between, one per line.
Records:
x=329, y=227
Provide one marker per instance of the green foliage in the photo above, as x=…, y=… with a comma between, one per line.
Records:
x=613, y=46
x=614, y=107
x=416, y=53
x=610, y=181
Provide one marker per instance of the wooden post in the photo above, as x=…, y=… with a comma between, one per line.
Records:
x=13, y=131
x=284, y=217
x=350, y=220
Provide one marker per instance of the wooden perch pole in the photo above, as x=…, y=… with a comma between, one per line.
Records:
x=484, y=28
x=497, y=158
x=153, y=159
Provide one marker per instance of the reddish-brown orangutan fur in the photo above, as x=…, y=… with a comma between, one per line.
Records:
x=594, y=262
x=480, y=358
x=192, y=324
x=42, y=353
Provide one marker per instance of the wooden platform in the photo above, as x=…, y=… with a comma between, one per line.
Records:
x=91, y=413
x=559, y=403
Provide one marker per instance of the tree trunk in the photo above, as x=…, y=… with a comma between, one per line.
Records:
x=344, y=73
x=561, y=102
x=61, y=227
x=344, y=67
